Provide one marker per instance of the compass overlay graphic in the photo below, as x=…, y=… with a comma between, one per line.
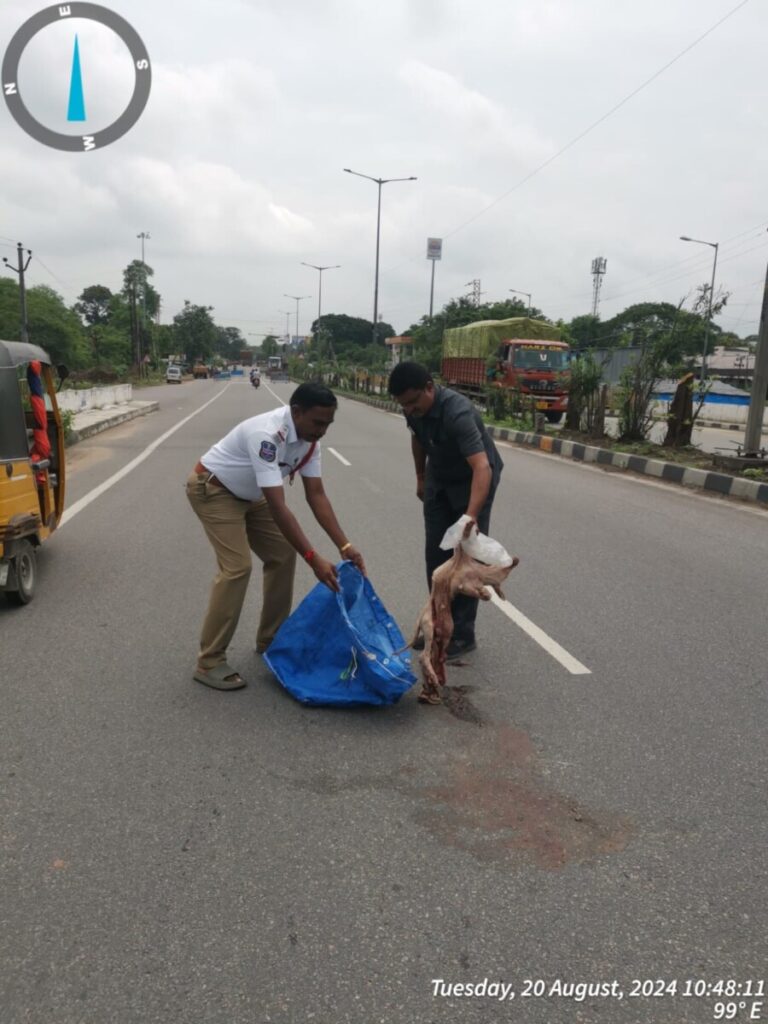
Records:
x=58, y=140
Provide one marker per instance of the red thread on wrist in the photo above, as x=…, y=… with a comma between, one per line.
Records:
x=309, y=556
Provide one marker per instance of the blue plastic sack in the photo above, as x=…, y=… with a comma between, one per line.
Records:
x=339, y=649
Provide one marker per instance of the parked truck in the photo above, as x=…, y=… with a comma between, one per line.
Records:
x=524, y=355
x=277, y=367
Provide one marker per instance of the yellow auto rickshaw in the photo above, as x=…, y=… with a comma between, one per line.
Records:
x=31, y=464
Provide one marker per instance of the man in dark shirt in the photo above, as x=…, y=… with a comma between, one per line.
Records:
x=457, y=473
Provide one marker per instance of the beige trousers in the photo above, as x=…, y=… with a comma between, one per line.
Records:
x=235, y=528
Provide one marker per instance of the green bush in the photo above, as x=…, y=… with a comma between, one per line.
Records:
x=67, y=422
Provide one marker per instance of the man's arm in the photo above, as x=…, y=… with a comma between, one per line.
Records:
x=464, y=429
x=481, y=484
x=323, y=512
x=289, y=526
x=420, y=462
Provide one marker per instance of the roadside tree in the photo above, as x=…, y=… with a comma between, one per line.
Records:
x=195, y=332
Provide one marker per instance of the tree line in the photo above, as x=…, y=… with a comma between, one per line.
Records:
x=111, y=333
x=114, y=332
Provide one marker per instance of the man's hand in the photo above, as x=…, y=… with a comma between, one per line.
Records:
x=325, y=571
x=351, y=554
x=420, y=486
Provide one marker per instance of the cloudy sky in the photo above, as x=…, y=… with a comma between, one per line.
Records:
x=235, y=167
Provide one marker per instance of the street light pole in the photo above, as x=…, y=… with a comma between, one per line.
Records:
x=143, y=236
x=287, y=314
x=379, y=182
x=715, y=246
x=528, y=294
x=298, y=300
x=314, y=266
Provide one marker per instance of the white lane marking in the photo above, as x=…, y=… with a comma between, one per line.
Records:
x=339, y=457
x=280, y=400
x=85, y=501
x=542, y=639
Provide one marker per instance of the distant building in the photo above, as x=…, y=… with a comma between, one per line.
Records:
x=401, y=348
x=613, y=361
x=734, y=364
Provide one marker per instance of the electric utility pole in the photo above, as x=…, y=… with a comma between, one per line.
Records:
x=20, y=270
x=752, y=438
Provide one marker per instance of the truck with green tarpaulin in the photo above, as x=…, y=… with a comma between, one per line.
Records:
x=524, y=355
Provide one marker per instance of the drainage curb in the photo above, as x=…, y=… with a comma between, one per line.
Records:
x=671, y=472
x=108, y=422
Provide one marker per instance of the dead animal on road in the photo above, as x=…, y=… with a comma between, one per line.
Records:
x=460, y=575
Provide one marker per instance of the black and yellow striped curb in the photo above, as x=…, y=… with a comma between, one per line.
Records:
x=670, y=472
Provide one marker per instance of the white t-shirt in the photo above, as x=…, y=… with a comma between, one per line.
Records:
x=259, y=452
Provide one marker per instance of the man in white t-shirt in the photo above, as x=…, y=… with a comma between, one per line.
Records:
x=236, y=491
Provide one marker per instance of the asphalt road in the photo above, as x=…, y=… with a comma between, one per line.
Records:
x=178, y=855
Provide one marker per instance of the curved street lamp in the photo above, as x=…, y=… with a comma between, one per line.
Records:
x=298, y=299
x=715, y=246
x=530, y=304
x=379, y=182
x=314, y=266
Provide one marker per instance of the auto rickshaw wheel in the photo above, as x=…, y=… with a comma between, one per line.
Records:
x=25, y=570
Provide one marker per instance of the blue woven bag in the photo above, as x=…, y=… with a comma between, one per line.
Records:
x=339, y=649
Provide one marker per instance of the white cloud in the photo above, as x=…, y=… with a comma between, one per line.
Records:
x=236, y=165
x=476, y=120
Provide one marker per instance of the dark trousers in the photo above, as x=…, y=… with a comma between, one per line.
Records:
x=443, y=505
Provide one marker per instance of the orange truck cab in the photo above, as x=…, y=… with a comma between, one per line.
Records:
x=520, y=354
x=32, y=468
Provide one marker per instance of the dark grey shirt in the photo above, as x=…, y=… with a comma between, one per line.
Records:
x=450, y=431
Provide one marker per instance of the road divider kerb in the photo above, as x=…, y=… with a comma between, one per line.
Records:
x=106, y=422
x=669, y=472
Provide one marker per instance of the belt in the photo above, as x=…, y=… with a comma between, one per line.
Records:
x=212, y=479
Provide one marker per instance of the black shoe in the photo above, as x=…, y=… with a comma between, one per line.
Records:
x=458, y=648
x=418, y=645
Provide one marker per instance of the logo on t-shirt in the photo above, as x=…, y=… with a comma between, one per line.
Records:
x=268, y=451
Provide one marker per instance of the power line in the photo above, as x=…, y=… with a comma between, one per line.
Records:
x=63, y=284
x=604, y=117
x=698, y=262
x=680, y=277
x=696, y=258
x=592, y=126
x=658, y=277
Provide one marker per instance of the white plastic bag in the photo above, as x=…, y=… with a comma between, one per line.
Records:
x=477, y=545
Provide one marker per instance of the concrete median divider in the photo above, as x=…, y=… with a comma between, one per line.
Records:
x=94, y=410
